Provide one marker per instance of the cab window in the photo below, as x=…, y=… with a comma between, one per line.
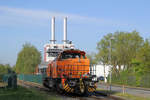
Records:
x=71, y=55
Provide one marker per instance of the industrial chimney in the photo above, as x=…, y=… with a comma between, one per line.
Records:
x=65, y=31
x=53, y=31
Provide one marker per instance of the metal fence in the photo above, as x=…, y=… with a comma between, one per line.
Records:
x=10, y=80
x=31, y=78
x=132, y=79
x=5, y=78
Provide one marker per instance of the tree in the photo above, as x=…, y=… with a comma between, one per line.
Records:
x=129, y=50
x=91, y=56
x=123, y=49
x=142, y=61
x=28, y=58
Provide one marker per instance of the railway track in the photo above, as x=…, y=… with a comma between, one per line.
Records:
x=97, y=95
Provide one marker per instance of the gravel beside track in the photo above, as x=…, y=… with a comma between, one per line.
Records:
x=97, y=96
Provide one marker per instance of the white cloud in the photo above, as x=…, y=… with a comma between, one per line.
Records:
x=38, y=14
x=17, y=15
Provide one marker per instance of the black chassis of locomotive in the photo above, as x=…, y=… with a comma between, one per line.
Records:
x=53, y=83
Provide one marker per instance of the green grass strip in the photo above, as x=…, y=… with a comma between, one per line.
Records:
x=22, y=93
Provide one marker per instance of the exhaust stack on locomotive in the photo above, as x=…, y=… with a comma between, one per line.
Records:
x=68, y=69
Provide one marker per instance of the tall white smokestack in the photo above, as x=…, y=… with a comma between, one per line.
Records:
x=65, y=30
x=53, y=31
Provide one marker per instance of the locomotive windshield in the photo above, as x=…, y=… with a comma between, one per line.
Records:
x=72, y=55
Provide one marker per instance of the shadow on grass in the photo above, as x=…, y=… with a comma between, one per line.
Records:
x=22, y=94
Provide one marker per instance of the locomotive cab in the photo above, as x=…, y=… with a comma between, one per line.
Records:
x=74, y=64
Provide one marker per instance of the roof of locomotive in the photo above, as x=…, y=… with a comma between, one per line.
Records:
x=73, y=51
x=70, y=51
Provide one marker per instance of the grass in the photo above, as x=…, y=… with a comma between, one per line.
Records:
x=125, y=96
x=22, y=93
x=131, y=97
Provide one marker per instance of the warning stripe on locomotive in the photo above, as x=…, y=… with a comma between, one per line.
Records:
x=67, y=88
x=91, y=89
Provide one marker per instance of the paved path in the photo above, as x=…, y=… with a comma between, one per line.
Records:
x=132, y=91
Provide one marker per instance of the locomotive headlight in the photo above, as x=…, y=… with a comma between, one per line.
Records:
x=72, y=83
x=91, y=83
x=94, y=78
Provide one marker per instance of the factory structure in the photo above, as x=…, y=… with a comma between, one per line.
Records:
x=52, y=49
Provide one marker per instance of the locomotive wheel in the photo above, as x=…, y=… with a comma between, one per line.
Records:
x=82, y=87
x=45, y=83
x=59, y=90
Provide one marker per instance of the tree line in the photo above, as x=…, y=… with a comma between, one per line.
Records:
x=128, y=53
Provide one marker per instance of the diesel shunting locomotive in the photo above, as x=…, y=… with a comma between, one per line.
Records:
x=68, y=69
x=70, y=72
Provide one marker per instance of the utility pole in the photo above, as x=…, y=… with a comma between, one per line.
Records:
x=110, y=71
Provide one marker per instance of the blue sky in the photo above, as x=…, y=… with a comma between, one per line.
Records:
x=24, y=21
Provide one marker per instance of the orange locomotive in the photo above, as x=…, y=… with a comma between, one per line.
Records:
x=70, y=72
